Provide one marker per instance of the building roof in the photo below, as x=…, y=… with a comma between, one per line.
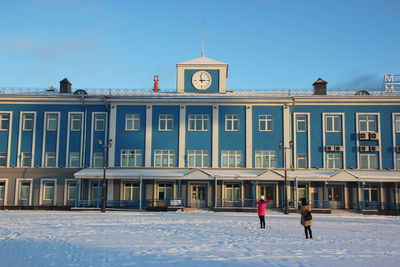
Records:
x=202, y=61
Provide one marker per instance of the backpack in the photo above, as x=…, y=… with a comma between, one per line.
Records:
x=307, y=216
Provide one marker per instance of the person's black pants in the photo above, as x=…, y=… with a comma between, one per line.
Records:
x=307, y=230
x=262, y=221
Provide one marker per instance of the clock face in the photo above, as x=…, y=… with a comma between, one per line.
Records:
x=201, y=80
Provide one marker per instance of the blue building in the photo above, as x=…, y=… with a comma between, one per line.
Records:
x=202, y=146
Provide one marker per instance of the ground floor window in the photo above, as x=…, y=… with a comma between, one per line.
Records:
x=265, y=159
x=334, y=160
x=164, y=191
x=71, y=191
x=368, y=161
x=398, y=161
x=48, y=190
x=197, y=158
x=232, y=192
x=371, y=193
x=231, y=158
x=24, y=190
x=96, y=190
x=164, y=158
x=2, y=190
x=131, y=191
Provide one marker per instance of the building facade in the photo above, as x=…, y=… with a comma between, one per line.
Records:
x=202, y=146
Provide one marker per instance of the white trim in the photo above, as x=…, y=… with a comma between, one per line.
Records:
x=20, y=130
x=45, y=133
x=148, y=138
x=67, y=156
x=110, y=132
x=182, y=136
x=215, y=140
x=9, y=135
x=42, y=181
x=18, y=189
x=307, y=114
x=394, y=139
x=92, y=133
x=66, y=181
x=249, y=137
x=358, y=140
x=5, y=180
x=122, y=187
x=287, y=136
x=343, y=133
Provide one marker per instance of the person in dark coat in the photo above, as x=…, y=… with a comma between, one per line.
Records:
x=261, y=210
x=306, y=223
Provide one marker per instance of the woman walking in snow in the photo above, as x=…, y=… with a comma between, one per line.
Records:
x=306, y=218
x=261, y=210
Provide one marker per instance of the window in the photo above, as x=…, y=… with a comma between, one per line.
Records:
x=98, y=160
x=265, y=159
x=301, y=122
x=231, y=159
x=132, y=122
x=27, y=122
x=26, y=159
x=2, y=190
x=52, y=122
x=3, y=159
x=265, y=123
x=4, y=121
x=48, y=190
x=165, y=122
x=164, y=158
x=398, y=161
x=164, y=191
x=397, y=123
x=231, y=122
x=96, y=191
x=74, y=159
x=131, y=191
x=50, y=159
x=131, y=158
x=368, y=161
x=232, y=192
x=371, y=193
x=71, y=191
x=333, y=123
x=24, y=190
x=367, y=123
x=198, y=122
x=197, y=158
x=99, y=122
x=76, y=122
x=334, y=160
x=301, y=160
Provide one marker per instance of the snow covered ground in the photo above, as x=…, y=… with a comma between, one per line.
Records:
x=53, y=238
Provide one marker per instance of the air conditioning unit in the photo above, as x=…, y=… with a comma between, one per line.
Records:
x=329, y=148
x=397, y=148
x=374, y=148
x=374, y=136
x=339, y=148
x=364, y=148
x=364, y=136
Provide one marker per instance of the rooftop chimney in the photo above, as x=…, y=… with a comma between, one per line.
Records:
x=155, y=87
x=65, y=86
x=320, y=87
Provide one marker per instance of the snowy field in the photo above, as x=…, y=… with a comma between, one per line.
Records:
x=53, y=238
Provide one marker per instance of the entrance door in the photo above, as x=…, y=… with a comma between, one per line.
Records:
x=198, y=196
x=335, y=196
x=268, y=191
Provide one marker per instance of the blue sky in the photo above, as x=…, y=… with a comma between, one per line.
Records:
x=267, y=44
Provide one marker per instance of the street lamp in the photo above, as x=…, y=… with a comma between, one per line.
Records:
x=285, y=196
x=105, y=146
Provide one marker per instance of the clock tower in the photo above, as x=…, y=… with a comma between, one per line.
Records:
x=201, y=75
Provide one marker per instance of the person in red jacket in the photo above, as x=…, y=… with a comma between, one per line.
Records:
x=261, y=210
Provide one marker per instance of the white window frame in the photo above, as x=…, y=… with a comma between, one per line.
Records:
x=4, y=117
x=131, y=154
x=301, y=118
x=164, y=154
x=97, y=119
x=269, y=155
x=234, y=156
x=134, y=190
x=76, y=120
x=369, y=157
x=167, y=186
x=232, y=122
x=398, y=161
x=25, y=120
x=43, y=185
x=330, y=123
x=74, y=156
x=300, y=157
x=97, y=185
x=267, y=121
x=236, y=189
x=67, y=190
x=52, y=118
x=198, y=122
x=26, y=155
x=49, y=156
x=397, y=123
x=332, y=159
x=134, y=120
x=5, y=181
x=165, y=122
x=4, y=157
x=196, y=156
x=367, y=119
x=18, y=184
x=98, y=157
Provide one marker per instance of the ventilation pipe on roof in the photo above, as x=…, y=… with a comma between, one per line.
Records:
x=65, y=86
x=320, y=87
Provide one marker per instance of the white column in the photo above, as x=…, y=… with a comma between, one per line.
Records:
x=286, y=136
x=215, y=144
x=149, y=116
x=182, y=136
x=249, y=137
x=113, y=128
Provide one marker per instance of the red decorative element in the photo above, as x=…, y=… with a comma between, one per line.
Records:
x=155, y=87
